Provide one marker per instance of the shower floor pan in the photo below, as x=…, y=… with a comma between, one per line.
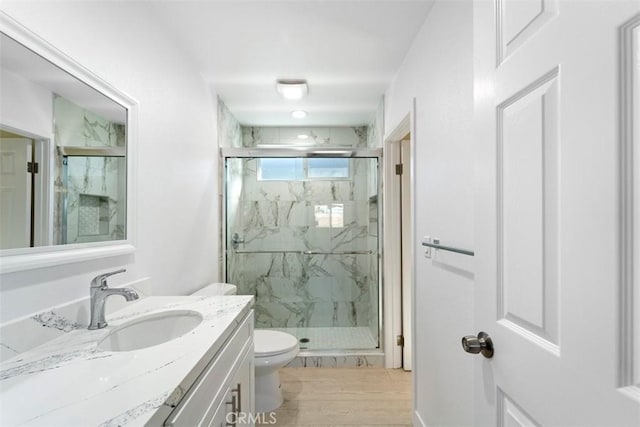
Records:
x=333, y=338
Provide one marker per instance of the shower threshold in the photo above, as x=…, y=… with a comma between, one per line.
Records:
x=334, y=339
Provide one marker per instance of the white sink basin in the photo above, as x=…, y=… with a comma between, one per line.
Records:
x=150, y=330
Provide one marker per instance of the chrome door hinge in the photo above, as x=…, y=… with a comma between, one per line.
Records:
x=400, y=340
x=399, y=169
x=32, y=167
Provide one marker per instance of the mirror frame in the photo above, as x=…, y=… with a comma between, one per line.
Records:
x=12, y=260
x=629, y=300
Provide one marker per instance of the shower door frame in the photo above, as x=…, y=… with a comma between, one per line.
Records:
x=311, y=152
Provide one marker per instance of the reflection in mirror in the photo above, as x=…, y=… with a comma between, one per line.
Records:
x=90, y=177
x=63, y=145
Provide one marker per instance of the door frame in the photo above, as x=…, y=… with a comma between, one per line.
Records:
x=393, y=306
x=44, y=181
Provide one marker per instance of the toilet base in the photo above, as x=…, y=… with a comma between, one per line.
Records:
x=268, y=392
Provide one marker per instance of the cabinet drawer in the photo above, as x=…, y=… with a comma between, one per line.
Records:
x=209, y=389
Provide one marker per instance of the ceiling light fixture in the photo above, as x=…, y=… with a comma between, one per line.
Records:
x=303, y=136
x=292, y=89
x=298, y=114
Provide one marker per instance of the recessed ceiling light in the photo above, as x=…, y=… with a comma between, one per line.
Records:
x=298, y=114
x=292, y=89
x=303, y=136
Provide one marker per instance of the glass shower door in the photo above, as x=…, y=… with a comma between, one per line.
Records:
x=302, y=236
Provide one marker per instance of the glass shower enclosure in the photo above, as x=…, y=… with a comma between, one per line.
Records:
x=302, y=235
x=90, y=194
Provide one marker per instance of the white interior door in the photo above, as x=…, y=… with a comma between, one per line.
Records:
x=407, y=252
x=15, y=193
x=547, y=231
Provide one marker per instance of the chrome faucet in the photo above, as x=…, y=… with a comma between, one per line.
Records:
x=99, y=293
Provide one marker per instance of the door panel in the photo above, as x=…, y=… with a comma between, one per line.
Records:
x=547, y=248
x=528, y=151
x=512, y=415
x=15, y=193
x=519, y=21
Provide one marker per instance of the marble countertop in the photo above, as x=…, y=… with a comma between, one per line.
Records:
x=69, y=381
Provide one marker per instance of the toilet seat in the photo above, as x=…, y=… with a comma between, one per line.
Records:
x=272, y=351
x=268, y=343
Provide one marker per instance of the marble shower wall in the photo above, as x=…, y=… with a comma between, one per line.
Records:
x=316, y=136
x=279, y=218
x=229, y=129
x=375, y=132
x=230, y=135
x=95, y=187
x=375, y=129
x=374, y=268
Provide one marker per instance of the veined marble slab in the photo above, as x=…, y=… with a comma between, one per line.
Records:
x=369, y=361
x=70, y=382
x=23, y=334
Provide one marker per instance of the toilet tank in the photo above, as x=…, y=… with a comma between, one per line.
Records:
x=217, y=289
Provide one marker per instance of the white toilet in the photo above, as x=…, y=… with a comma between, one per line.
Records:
x=217, y=289
x=273, y=350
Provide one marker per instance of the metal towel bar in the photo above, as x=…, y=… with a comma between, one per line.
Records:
x=307, y=252
x=436, y=245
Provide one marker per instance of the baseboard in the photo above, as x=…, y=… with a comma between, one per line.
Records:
x=338, y=361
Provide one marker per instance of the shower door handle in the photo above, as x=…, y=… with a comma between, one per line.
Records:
x=236, y=240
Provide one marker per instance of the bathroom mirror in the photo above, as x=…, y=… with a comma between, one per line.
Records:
x=66, y=157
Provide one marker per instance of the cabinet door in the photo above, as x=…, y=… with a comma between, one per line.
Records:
x=223, y=416
x=206, y=399
x=242, y=392
x=238, y=406
x=243, y=384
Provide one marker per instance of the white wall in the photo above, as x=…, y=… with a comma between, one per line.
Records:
x=438, y=72
x=177, y=200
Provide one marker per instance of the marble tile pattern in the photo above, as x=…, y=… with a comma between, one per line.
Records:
x=69, y=381
x=229, y=129
x=25, y=334
x=355, y=136
x=374, y=268
x=343, y=361
x=229, y=135
x=375, y=132
x=279, y=217
x=90, y=176
x=375, y=129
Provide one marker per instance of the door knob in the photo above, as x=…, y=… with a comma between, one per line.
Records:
x=480, y=344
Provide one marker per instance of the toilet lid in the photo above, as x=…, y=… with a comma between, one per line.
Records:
x=270, y=343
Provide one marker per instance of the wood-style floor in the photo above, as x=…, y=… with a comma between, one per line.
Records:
x=343, y=397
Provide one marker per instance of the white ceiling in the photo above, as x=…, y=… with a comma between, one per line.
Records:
x=348, y=51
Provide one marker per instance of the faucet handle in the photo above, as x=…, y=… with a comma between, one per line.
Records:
x=101, y=279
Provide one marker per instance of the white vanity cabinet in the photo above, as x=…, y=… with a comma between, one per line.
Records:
x=223, y=393
x=237, y=407
x=185, y=381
